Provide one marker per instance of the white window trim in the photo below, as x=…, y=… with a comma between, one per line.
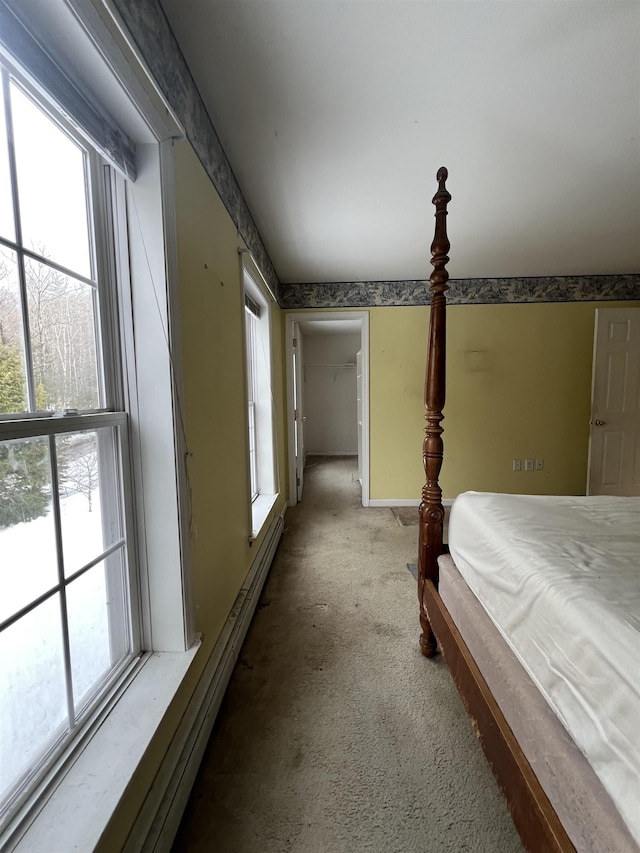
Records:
x=260, y=510
x=260, y=507
x=77, y=812
x=157, y=427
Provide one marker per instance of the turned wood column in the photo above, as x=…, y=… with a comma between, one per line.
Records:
x=431, y=509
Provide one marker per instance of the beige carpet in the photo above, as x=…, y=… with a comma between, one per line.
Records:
x=336, y=735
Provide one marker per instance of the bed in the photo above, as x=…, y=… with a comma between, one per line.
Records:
x=527, y=632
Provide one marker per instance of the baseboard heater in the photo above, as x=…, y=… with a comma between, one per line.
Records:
x=158, y=820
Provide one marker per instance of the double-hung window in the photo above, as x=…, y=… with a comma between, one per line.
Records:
x=252, y=318
x=260, y=440
x=69, y=628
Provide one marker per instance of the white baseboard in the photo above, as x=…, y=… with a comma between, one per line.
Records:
x=403, y=502
x=157, y=823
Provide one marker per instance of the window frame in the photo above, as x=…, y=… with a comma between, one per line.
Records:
x=77, y=799
x=100, y=183
x=257, y=306
x=251, y=317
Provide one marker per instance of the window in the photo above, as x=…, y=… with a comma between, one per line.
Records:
x=262, y=476
x=74, y=59
x=252, y=316
x=69, y=628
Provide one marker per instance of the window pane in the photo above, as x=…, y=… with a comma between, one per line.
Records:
x=51, y=187
x=13, y=384
x=7, y=226
x=28, y=565
x=32, y=691
x=253, y=461
x=63, y=339
x=250, y=334
x=89, y=633
x=87, y=474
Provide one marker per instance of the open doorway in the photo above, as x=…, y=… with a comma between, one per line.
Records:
x=327, y=391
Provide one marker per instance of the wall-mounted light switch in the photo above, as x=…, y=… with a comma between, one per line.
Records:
x=528, y=464
x=539, y=464
x=516, y=465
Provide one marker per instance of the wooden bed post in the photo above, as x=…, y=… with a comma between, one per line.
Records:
x=431, y=509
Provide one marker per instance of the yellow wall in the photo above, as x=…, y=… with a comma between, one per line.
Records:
x=526, y=394
x=529, y=397
x=397, y=357
x=212, y=317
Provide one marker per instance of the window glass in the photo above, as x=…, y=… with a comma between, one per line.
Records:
x=28, y=566
x=260, y=438
x=52, y=189
x=62, y=325
x=86, y=472
x=13, y=376
x=32, y=687
x=87, y=602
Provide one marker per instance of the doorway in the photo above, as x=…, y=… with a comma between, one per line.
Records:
x=327, y=373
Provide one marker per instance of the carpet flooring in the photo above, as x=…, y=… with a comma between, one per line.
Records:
x=336, y=735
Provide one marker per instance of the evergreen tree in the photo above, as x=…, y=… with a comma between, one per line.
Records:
x=24, y=472
x=12, y=385
x=24, y=478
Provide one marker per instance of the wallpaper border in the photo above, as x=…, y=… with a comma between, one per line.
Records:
x=475, y=291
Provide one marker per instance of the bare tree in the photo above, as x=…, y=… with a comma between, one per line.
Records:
x=62, y=325
x=80, y=472
x=10, y=320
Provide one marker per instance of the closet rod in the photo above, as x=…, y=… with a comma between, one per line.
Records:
x=349, y=364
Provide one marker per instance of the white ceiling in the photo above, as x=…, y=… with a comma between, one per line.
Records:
x=336, y=114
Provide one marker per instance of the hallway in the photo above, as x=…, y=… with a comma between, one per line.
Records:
x=336, y=734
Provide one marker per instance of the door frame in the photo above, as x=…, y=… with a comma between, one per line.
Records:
x=297, y=437
x=327, y=316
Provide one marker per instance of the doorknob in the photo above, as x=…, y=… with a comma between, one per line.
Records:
x=598, y=423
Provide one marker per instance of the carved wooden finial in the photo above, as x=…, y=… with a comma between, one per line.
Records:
x=440, y=245
x=441, y=177
x=431, y=509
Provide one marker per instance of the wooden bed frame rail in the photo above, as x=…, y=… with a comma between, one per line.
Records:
x=535, y=818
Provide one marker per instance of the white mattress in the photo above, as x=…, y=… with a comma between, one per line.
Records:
x=560, y=579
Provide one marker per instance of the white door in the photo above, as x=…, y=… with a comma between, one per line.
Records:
x=614, y=445
x=298, y=417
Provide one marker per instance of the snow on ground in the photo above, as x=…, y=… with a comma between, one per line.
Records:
x=32, y=691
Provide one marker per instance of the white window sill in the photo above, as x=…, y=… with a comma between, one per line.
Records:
x=78, y=811
x=260, y=509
